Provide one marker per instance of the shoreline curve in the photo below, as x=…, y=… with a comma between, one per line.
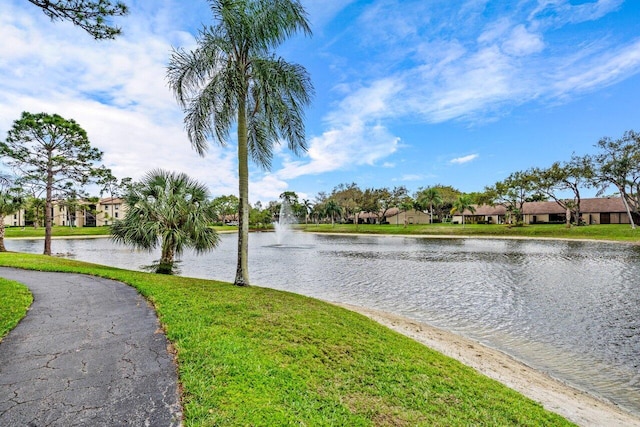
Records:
x=576, y=405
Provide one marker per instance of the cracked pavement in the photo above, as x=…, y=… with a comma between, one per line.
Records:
x=90, y=352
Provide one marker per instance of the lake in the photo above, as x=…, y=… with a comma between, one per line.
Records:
x=570, y=309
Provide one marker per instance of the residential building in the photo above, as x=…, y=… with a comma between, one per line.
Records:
x=605, y=210
x=88, y=213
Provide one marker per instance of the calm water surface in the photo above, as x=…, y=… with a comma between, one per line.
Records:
x=571, y=309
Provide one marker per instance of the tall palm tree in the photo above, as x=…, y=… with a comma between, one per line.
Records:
x=461, y=204
x=430, y=197
x=234, y=76
x=169, y=209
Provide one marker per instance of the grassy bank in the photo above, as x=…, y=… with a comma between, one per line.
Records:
x=255, y=356
x=15, y=299
x=59, y=231
x=614, y=232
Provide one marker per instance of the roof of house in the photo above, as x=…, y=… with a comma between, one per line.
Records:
x=590, y=205
x=111, y=201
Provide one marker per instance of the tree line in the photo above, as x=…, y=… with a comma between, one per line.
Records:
x=615, y=166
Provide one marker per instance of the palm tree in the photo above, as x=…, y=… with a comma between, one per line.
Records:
x=10, y=202
x=430, y=197
x=234, y=76
x=306, y=203
x=170, y=209
x=463, y=203
x=332, y=208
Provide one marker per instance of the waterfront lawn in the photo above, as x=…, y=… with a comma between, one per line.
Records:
x=15, y=300
x=614, y=232
x=57, y=231
x=256, y=356
x=61, y=231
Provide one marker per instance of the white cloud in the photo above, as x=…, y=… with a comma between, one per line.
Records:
x=355, y=136
x=561, y=12
x=411, y=177
x=116, y=90
x=476, y=74
x=591, y=73
x=464, y=159
x=521, y=42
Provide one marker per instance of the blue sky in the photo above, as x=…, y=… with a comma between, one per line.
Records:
x=411, y=93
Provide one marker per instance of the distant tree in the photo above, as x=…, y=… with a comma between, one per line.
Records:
x=289, y=196
x=448, y=195
x=225, y=207
x=512, y=193
x=260, y=218
x=34, y=210
x=234, y=76
x=429, y=197
x=387, y=200
x=52, y=154
x=70, y=204
x=369, y=202
x=167, y=209
x=298, y=211
x=331, y=209
x=11, y=201
x=91, y=16
x=348, y=197
x=463, y=203
x=308, y=206
x=114, y=188
x=618, y=164
x=559, y=178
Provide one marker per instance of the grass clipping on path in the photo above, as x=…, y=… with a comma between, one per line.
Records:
x=256, y=356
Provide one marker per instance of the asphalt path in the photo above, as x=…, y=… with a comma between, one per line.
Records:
x=90, y=352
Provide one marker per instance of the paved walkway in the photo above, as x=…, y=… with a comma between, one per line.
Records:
x=88, y=353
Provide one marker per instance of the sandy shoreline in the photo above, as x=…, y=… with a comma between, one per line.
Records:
x=575, y=405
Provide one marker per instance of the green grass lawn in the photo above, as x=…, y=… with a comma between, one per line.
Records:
x=616, y=232
x=57, y=231
x=256, y=356
x=15, y=299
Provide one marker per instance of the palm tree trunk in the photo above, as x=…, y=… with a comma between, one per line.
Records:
x=242, y=271
x=166, y=259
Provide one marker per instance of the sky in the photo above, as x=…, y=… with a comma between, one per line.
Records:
x=409, y=93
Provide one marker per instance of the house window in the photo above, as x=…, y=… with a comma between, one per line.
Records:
x=116, y=215
x=15, y=216
x=116, y=207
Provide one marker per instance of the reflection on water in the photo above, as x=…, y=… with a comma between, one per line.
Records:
x=570, y=309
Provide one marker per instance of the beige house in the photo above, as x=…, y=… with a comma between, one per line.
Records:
x=89, y=214
x=109, y=210
x=397, y=217
x=606, y=210
x=15, y=220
